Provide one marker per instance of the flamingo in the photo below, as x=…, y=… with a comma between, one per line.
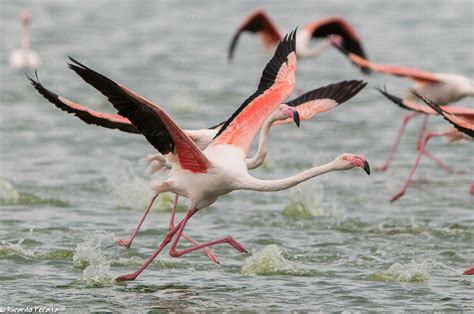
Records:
x=24, y=57
x=442, y=88
x=461, y=129
x=204, y=176
x=469, y=271
x=304, y=107
x=259, y=22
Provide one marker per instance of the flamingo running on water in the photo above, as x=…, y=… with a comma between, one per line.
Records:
x=461, y=129
x=304, y=107
x=260, y=23
x=442, y=88
x=204, y=176
x=24, y=57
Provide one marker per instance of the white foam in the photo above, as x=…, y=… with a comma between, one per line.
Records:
x=8, y=194
x=410, y=272
x=267, y=261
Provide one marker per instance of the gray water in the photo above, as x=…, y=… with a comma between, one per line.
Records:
x=334, y=243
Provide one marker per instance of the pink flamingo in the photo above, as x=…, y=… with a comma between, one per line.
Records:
x=304, y=107
x=204, y=176
x=460, y=130
x=469, y=271
x=24, y=57
x=442, y=88
x=260, y=23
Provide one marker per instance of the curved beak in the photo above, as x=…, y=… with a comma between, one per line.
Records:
x=366, y=167
x=296, y=118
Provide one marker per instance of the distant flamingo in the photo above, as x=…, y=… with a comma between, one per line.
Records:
x=24, y=58
x=461, y=127
x=469, y=271
x=442, y=88
x=203, y=176
x=260, y=23
x=304, y=107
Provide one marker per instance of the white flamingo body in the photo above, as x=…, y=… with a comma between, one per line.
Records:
x=448, y=89
x=24, y=57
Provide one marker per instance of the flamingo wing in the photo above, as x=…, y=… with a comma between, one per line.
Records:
x=336, y=25
x=276, y=84
x=460, y=124
x=324, y=99
x=89, y=116
x=260, y=23
x=411, y=73
x=150, y=119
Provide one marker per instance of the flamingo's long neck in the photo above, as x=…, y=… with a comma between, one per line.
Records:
x=254, y=184
x=322, y=47
x=261, y=153
x=25, y=38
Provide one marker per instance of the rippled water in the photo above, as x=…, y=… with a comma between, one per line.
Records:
x=68, y=190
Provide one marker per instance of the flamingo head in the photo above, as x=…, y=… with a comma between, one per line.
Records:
x=349, y=161
x=25, y=17
x=284, y=112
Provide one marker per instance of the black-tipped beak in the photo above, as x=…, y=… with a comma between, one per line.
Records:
x=296, y=118
x=366, y=167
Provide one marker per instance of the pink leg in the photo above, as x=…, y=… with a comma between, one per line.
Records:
x=421, y=134
x=175, y=253
x=421, y=151
x=441, y=163
x=166, y=240
x=472, y=189
x=128, y=243
x=208, y=251
x=394, y=148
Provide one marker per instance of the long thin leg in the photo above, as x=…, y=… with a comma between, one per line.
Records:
x=175, y=253
x=127, y=243
x=421, y=152
x=394, y=148
x=441, y=163
x=207, y=251
x=165, y=241
x=421, y=134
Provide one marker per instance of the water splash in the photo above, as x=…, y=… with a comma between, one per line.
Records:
x=410, y=272
x=269, y=261
x=182, y=104
x=8, y=194
x=306, y=201
x=15, y=250
x=90, y=256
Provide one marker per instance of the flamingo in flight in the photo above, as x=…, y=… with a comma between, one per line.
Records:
x=442, y=88
x=303, y=107
x=462, y=129
x=204, y=176
x=259, y=22
x=24, y=57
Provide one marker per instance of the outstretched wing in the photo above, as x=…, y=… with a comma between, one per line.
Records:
x=260, y=23
x=463, y=126
x=324, y=99
x=276, y=84
x=336, y=25
x=89, y=116
x=150, y=119
x=464, y=112
x=411, y=73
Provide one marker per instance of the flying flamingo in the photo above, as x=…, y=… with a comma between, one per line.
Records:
x=304, y=107
x=203, y=176
x=461, y=127
x=260, y=23
x=442, y=88
x=24, y=58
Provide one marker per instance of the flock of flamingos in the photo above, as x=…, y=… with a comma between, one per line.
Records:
x=204, y=164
